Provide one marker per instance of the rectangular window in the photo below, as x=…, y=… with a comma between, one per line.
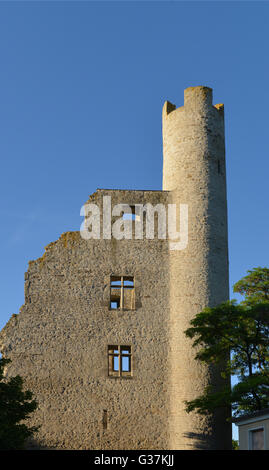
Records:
x=257, y=439
x=119, y=361
x=122, y=293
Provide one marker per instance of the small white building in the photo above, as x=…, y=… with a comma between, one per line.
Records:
x=254, y=430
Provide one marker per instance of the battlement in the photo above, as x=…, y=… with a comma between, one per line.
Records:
x=198, y=98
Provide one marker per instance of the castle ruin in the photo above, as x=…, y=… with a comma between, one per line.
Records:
x=100, y=338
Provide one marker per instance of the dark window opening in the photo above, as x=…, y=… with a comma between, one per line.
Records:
x=104, y=419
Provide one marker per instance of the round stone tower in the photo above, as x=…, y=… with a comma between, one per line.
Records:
x=194, y=172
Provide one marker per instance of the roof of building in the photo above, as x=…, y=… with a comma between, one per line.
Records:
x=259, y=414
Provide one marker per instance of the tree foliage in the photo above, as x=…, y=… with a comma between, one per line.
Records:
x=239, y=332
x=15, y=406
x=235, y=444
x=254, y=286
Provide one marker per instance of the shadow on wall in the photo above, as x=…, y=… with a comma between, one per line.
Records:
x=32, y=444
x=201, y=441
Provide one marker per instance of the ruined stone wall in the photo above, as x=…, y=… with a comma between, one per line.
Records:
x=58, y=342
x=194, y=172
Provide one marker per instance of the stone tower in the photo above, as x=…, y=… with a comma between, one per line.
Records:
x=100, y=338
x=194, y=173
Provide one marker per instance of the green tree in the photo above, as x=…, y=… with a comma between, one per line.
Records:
x=15, y=406
x=235, y=444
x=237, y=335
x=254, y=286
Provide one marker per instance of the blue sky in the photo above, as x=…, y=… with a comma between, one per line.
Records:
x=82, y=86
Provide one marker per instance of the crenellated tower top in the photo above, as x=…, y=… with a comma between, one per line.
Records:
x=197, y=99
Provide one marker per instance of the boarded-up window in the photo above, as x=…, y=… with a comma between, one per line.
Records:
x=257, y=439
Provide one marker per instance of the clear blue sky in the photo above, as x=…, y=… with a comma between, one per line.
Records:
x=82, y=86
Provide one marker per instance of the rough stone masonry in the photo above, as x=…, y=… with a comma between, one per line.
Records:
x=100, y=338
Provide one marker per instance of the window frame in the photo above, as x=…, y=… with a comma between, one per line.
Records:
x=120, y=355
x=119, y=299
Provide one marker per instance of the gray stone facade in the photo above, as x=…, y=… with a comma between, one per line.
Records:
x=77, y=330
